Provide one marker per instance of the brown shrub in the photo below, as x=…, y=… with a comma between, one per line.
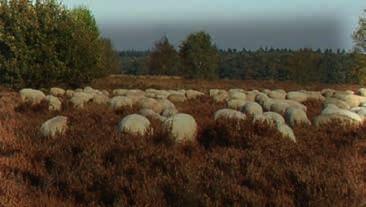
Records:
x=231, y=164
x=314, y=108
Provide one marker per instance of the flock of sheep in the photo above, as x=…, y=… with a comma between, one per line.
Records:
x=278, y=108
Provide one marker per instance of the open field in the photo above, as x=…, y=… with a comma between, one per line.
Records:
x=166, y=82
x=230, y=162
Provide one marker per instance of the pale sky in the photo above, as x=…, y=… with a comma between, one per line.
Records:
x=136, y=24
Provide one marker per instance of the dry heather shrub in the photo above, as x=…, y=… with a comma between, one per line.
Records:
x=25, y=107
x=314, y=108
x=92, y=165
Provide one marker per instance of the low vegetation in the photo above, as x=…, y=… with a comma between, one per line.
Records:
x=92, y=164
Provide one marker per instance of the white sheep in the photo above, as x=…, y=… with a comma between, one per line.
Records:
x=166, y=104
x=80, y=98
x=279, y=107
x=54, y=104
x=325, y=119
x=251, y=95
x=177, y=98
x=277, y=94
x=351, y=100
x=150, y=103
x=119, y=102
x=193, y=94
x=148, y=113
x=135, y=95
x=362, y=92
x=234, y=90
x=229, y=114
x=119, y=92
x=69, y=93
x=266, y=105
x=297, y=96
x=213, y=92
x=134, y=124
x=168, y=112
x=237, y=95
x=57, y=91
x=334, y=110
x=327, y=92
x=32, y=96
x=54, y=126
x=286, y=131
x=261, y=98
x=317, y=95
x=334, y=101
x=221, y=96
x=270, y=118
x=295, y=104
x=252, y=109
x=181, y=127
x=295, y=116
x=236, y=104
x=360, y=111
x=100, y=99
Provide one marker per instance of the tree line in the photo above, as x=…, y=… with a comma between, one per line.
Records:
x=198, y=57
x=303, y=65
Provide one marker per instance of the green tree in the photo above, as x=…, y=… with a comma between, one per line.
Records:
x=84, y=48
x=359, y=56
x=29, y=38
x=357, y=69
x=359, y=35
x=200, y=57
x=164, y=59
x=110, y=61
x=42, y=43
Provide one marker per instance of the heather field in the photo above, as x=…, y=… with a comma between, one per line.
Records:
x=229, y=162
